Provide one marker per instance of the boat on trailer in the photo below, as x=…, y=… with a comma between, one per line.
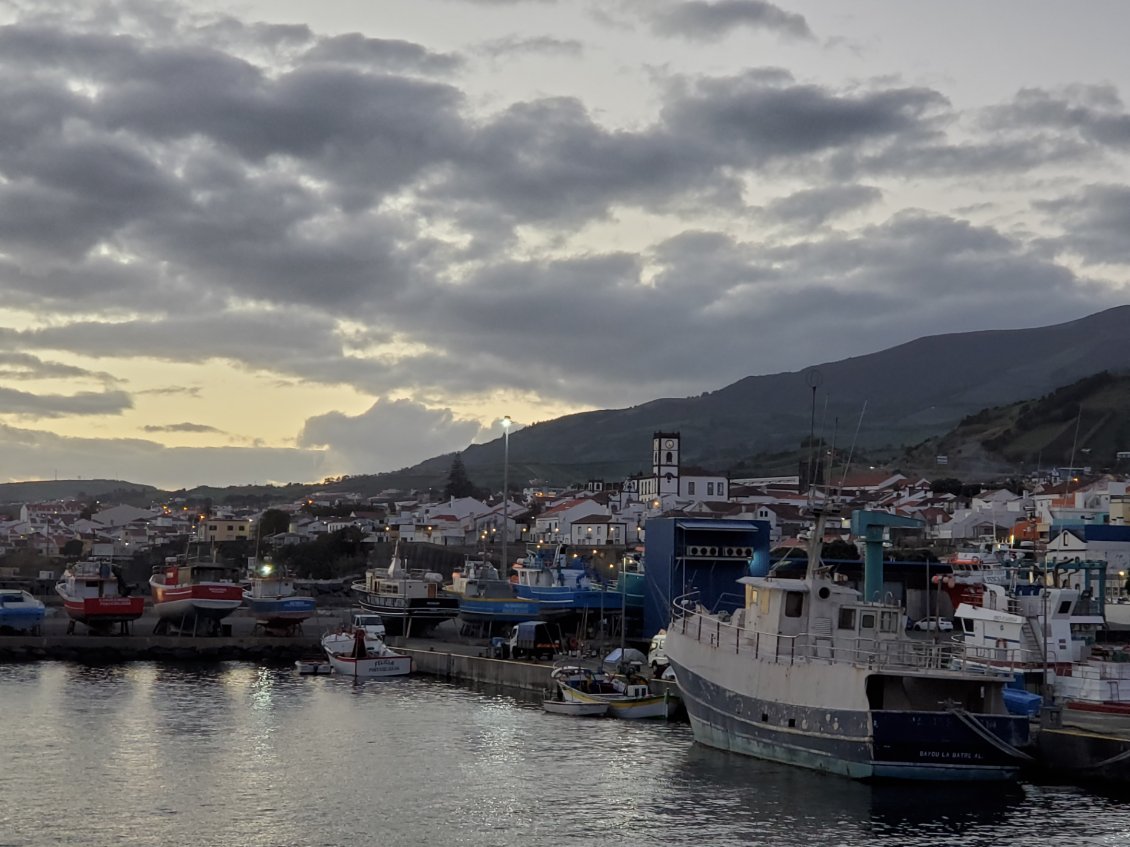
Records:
x=95, y=595
x=411, y=602
x=194, y=594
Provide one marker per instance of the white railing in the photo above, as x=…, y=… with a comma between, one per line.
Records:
x=879, y=653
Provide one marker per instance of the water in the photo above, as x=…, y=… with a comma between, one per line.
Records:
x=235, y=754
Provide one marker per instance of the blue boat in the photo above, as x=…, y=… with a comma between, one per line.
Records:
x=274, y=603
x=485, y=597
x=561, y=580
x=20, y=611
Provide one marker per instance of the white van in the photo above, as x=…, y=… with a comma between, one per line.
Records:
x=657, y=654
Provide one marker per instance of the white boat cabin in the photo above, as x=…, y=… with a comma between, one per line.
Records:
x=830, y=618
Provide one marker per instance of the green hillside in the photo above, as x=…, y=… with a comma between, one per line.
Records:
x=1086, y=423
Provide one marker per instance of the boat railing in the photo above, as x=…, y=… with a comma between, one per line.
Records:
x=895, y=652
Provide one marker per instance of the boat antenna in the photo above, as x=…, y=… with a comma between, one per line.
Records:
x=851, y=450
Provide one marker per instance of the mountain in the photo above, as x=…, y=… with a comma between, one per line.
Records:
x=1086, y=423
x=904, y=395
x=896, y=396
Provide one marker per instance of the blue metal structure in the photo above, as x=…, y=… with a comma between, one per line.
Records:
x=700, y=554
x=871, y=527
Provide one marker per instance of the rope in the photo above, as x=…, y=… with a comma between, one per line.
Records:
x=1115, y=759
x=984, y=732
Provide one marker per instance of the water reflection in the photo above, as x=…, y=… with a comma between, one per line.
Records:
x=239, y=754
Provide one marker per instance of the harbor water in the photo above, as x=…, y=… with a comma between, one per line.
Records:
x=237, y=754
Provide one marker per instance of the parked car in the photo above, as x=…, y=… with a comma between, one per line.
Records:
x=934, y=624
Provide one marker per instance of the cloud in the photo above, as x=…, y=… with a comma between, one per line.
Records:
x=812, y=207
x=1094, y=221
x=26, y=404
x=25, y=366
x=390, y=434
x=544, y=45
x=180, y=427
x=31, y=454
x=711, y=21
x=389, y=218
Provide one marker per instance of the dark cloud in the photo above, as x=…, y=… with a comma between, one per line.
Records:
x=813, y=207
x=180, y=427
x=25, y=366
x=1093, y=114
x=712, y=21
x=542, y=46
x=26, y=404
x=382, y=54
x=1095, y=223
x=30, y=454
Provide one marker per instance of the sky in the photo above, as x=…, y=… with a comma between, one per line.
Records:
x=281, y=241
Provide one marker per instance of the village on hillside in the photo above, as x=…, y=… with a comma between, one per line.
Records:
x=1064, y=515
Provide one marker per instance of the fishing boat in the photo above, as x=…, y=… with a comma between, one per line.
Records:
x=274, y=602
x=560, y=580
x=629, y=698
x=366, y=659
x=411, y=602
x=194, y=594
x=21, y=611
x=485, y=598
x=555, y=703
x=806, y=671
x=94, y=594
x=1048, y=634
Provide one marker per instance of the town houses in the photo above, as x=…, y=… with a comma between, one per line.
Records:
x=1073, y=517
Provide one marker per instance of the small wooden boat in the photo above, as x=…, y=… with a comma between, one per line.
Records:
x=313, y=666
x=627, y=697
x=575, y=709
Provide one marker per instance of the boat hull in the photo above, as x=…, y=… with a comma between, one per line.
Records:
x=370, y=667
x=281, y=610
x=862, y=744
x=211, y=601
x=99, y=612
x=415, y=615
x=575, y=709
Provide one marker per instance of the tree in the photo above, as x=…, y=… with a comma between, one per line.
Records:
x=72, y=549
x=272, y=522
x=458, y=483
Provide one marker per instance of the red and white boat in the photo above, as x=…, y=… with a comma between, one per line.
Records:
x=363, y=658
x=195, y=594
x=95, y=596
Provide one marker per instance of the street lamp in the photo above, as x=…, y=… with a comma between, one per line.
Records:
x=505, y=494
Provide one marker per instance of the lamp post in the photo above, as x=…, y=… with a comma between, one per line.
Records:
x=505, y=495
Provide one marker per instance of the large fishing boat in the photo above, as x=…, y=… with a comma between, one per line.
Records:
x=194, y=594
x=808, y=672
x=411, y=602
x=95, y=595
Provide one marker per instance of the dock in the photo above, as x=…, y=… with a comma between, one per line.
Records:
x=448, y=655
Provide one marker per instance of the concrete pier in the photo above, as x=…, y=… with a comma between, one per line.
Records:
x=448, y=655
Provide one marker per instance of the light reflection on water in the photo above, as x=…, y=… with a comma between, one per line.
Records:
x=234, y=754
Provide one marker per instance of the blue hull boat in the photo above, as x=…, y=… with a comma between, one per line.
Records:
x=20, y=611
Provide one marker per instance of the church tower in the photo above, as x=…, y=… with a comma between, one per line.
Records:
x=665, y=462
